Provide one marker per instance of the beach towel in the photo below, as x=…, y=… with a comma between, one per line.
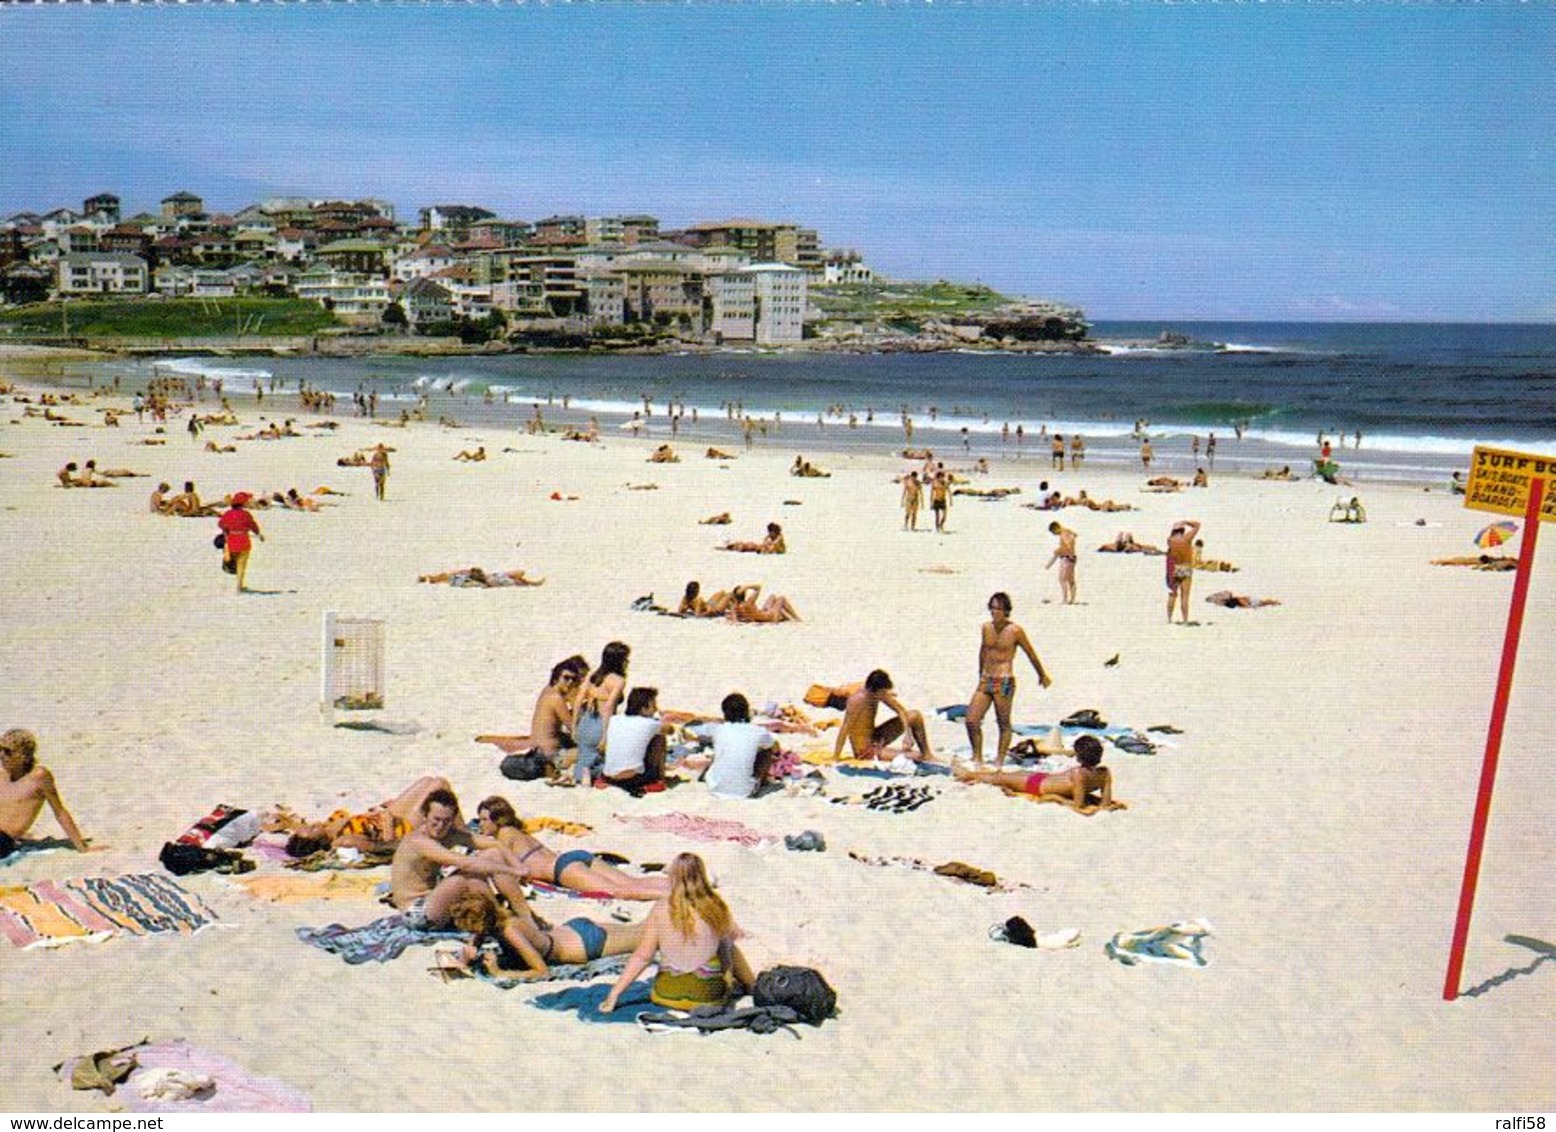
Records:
x=225, y=827
x=49, y=914
x=858, y=768
x=177, y=1077
x=701, y=829
x=543, y=888
x=1181, y=944
x=377, y=942
x=608, y=965
x=895, y=798
x=331, y=860
x=829, y=696
x=585, y=1002
x=288, y=888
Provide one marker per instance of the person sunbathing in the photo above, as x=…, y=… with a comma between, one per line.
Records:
x=379, y=828
x=473, y=577
x=159, y=499
x=1210, y=565
x=806, y=470
x=1200, y=478
x=355, y=460
x=772, y=544
x=1085, y=788
x=575, y=869
x=1272, y=474
x=469, y=457
x=1163, y=483
x=744, y=607
x=1480, y=562
x=212, y=446
x=722, y=519
x=524, y=948
x=299, y=502
x=664, y=454
x=718, y=454
x=1239, y=601
x=1124, y=543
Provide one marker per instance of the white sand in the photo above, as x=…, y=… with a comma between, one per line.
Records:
x=1315, y=811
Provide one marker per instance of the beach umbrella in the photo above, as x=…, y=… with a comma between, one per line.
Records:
x=1496, y=534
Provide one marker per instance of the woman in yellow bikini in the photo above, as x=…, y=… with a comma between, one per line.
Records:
x=691, y=935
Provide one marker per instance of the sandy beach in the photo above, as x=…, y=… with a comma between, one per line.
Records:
x=1314, y=808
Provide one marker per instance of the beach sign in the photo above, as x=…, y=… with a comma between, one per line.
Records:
x=1500, y=479
x=1506, y=483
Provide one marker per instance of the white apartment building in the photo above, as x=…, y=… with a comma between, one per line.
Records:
x=732, y=302
x=781, y=293
x=348, y=294
x=101, y=273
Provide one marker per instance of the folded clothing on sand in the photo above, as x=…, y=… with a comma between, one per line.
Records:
x=220, y=1085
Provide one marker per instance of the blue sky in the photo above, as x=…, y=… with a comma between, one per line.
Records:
x=1301, y=161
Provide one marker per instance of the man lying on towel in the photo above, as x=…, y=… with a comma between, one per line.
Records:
x=1084, y=788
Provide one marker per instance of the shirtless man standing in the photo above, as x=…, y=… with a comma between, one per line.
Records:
x=1064, y=554
x=912, y=499
x=866, y=739
x=997, y=676
x=1180, y=566
x=417, y=880
x=23, y=790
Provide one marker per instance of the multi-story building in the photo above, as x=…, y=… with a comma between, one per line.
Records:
x=102, y=273
x=763, y=242
x=732, y=306
x=665, y=293
x=101, y=210
x=781, y=292
x=426, y=301
x=422, y=263
x=535, y=286
x=363, y=257
x=560, y=231
x=350, y=295
x=452, y=221
x=182, y=205
x=845, y=267
x=605, y=296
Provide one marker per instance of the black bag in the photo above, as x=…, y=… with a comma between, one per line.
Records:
x=181, y=859
x=525, y=767
x=803, y=989
x=220, y=541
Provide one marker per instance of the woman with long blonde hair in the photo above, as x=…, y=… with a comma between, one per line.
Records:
x=691, y=935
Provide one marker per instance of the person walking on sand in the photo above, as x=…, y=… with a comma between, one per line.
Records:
x=1064, y=554
x=380, y=465
x=1180, y=566
x=24, y=787
x=1146, y=454
x=999, y=640
x=237, y=524
x=1056, y=447
x=940, y=498
x=912, y=500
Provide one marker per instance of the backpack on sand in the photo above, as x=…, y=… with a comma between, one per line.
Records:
x=802, y=989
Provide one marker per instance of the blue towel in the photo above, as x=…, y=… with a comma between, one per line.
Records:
x=586, y=1001
x=377, y=942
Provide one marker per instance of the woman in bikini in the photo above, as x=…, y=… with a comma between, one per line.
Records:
x=527, y=946
x=1085, y=788
x=776, y=608
x=598, y=699
x=691, y=935
x=577, y=869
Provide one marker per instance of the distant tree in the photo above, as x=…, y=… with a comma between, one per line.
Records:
x=394, y=315
x=23, y=289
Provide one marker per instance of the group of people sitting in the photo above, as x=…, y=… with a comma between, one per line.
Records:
x=806, y=470
x=444, y=874
x=88, y=476
x=740, y=603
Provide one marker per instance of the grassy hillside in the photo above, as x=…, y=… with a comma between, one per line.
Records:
x=170, y=318
x=890, y=301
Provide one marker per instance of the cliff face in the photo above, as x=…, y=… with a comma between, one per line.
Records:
x=939, y=316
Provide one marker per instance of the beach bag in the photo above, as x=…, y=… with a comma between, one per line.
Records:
x=220, y=541
x=181, y=859
x=802, y=989
x=525, y=767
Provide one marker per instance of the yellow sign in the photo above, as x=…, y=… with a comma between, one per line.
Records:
x=1499, y=481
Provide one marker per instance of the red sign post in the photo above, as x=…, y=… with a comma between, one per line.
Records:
x=1498, y=481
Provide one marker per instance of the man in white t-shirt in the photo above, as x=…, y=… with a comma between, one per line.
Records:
x=742, y=752
x=635, y=745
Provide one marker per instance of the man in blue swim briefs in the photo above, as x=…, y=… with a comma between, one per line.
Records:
x=997, y=676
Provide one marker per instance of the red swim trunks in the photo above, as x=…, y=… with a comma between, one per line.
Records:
x=1034, y=783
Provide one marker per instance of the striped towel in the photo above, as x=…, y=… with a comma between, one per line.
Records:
x=50, y=914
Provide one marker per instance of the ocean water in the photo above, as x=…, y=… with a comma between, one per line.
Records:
x=1421, y=395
